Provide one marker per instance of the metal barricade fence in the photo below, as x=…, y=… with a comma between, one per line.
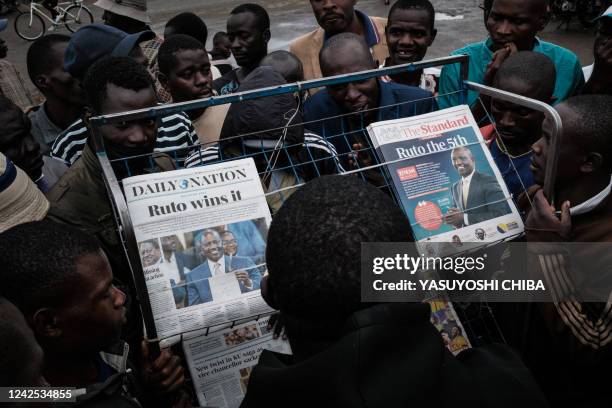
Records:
x=357, y=157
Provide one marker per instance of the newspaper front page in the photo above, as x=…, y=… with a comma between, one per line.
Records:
x=220, y=363
x=446, y=181
x=201, y=235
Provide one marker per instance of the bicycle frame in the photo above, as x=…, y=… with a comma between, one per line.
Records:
x=61, y=11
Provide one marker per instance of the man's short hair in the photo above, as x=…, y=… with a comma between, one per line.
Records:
x=38, y=265
x=263, y=19
x=153, y=242
x=459, y=148
x=188, y=24
x=415, y=5
x=339, y=41
x=16, y=346
x=123, y=72
x=166, y=56
x=218, y=37
x=534, y=69
x=281, y=60
x=314, y=247
x=591, y=124
x=40, y=55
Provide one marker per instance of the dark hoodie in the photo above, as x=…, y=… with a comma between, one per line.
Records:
x=389, y=356
x=254, y=128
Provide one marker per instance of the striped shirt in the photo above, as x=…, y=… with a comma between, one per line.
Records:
x=316, y=150
x=173, y=132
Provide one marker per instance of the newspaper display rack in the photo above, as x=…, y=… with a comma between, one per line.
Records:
x=478, y=322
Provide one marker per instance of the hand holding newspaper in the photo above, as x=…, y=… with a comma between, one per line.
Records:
x=201, y=236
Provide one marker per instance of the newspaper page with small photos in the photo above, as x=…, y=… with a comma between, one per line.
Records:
x=201, y=236
x=445, y=319
x=446, y=181
x=220, y=363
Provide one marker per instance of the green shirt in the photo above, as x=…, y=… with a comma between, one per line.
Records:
x=569, y=72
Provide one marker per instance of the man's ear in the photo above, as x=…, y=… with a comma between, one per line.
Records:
x=434, y=32
x=266, y=35
x=163, y=79
x=267, y=293
x=44, y=324
x=41, y=82
x=87, y=114
x=593, y=161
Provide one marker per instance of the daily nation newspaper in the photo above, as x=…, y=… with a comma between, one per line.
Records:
x=220, y=363
x=446, y=181
x=201, y=235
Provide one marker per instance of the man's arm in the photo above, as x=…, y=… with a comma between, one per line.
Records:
x=590, y=324
x=495, y=203
x=448, y=84
x=193, y=294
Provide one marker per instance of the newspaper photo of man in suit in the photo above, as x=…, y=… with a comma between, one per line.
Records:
x=217, y=263
x=476, y=196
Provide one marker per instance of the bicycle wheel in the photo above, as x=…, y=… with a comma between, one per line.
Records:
x=77, y=17
x=29, y=26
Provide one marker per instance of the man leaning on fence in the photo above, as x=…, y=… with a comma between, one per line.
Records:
x=113, y=84
x=569, y=341
x=87, y=46
x=341, y=113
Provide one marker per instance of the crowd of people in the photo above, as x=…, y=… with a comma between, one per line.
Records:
x=68, y=305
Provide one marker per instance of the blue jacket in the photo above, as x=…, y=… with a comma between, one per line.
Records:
x=198, y=288
x=321, y=105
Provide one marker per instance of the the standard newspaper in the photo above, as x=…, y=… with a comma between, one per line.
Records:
x=446, y=180
x=220, y=363
x=201, y=235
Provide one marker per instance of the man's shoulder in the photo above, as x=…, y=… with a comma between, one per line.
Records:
x=201, y=269
x=241, y=261
x=379, y=22
x=319, y=104
x=404, y=92
x=75, y=200
x=472, y=49
x=305, y=43
x=484, y=177
x=560, y=56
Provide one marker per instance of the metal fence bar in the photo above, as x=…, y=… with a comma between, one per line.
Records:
x=551, y=160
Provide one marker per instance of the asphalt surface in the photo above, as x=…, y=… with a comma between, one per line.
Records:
x=459, y=22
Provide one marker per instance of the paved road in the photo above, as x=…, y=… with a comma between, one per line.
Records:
x=458, y=21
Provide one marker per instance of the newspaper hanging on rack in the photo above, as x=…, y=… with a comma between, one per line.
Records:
x=201, y=235
x=220, y=363
x=446, y=181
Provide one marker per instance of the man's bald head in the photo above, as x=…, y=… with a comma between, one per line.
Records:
x=345, y=53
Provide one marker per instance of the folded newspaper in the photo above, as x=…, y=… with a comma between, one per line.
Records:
x=201, y=235
x=445, y=319
x=220, y=363
x=445, y=179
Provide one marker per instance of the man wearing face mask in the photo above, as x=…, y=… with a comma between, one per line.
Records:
x=113, y=84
